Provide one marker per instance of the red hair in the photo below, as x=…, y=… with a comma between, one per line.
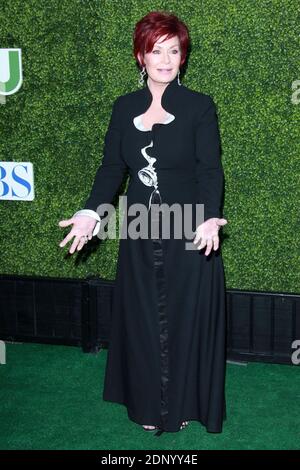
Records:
x=155, y=25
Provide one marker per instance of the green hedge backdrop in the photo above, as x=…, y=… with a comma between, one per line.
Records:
x=77, y=58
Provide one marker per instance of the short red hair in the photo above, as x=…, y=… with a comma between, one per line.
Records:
x=154, y=25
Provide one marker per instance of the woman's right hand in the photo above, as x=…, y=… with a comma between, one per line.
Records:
x=82, y=225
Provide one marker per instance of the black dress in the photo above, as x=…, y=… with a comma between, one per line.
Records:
x=167, y=355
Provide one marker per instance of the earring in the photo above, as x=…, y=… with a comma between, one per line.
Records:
x=142, y=74
x=178, y=80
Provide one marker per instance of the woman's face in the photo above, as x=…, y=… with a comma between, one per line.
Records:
x=163, y=62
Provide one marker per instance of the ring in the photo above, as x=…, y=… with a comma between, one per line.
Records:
x=86, y=238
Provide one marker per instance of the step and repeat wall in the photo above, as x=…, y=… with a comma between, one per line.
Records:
x=63, y=63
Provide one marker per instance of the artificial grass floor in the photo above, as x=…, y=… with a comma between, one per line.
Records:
x=51, y=398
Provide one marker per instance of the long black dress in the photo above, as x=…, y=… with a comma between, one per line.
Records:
x=167, y=355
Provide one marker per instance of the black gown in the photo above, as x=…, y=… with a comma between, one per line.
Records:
x=167, y=354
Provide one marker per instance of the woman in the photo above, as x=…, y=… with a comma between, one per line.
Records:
x=166, y=357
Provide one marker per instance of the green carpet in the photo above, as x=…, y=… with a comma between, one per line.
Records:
x=51, y=398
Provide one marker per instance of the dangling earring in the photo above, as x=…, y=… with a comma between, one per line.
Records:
x=142, y=74
x=178, y=80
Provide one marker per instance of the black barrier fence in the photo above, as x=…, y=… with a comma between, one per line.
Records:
x=261, y=326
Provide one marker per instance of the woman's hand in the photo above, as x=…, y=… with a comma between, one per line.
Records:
x=83, y=226
x=208, y=233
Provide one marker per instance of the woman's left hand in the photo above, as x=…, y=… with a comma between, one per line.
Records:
x=208, y=232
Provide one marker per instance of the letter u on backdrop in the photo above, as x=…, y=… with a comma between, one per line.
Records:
x=10, y=71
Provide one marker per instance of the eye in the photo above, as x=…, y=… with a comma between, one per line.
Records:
x=156, y=50
x=175, y=50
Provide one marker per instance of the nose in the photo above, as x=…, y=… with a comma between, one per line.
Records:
x=166, y=57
